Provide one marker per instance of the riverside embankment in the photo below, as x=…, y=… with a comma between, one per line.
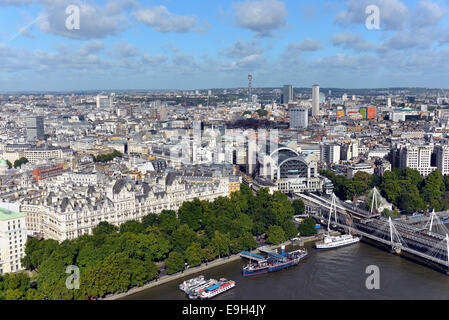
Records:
x=205, y=266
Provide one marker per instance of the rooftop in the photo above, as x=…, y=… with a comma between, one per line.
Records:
x=6, y=214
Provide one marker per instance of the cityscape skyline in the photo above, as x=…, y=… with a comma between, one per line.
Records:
x=131, y=44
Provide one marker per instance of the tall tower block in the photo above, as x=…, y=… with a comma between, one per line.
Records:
x=250, y=86
x=316, y=100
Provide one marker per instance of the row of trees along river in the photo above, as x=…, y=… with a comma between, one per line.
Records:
x=114, y=260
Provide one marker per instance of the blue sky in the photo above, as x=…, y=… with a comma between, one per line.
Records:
x=196, y=44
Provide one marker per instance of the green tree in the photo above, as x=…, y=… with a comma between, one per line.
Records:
x=307, y=227
x=391, y=213
x=194, y=254
x=190, y=213
x=235, y=245
x=298, y=206
x=446, y=182
x=151, y=219
x=409, y=199
x=247, y=241
x=168, y=221
x=245, y=223
x=276, y=235
x=104, y=228
x=37, y=251
x=132, y=226
x=33, y=294
x=412, y=175
x=14, y=294
x=282, y=207
x=210, y=253
x=290, y=229
x=158, y=245
x=183, y=237
x=433, y=186
x=175, y=262
x=221, y=242
x=18, y=163
x=362, y=182
x=391, y=188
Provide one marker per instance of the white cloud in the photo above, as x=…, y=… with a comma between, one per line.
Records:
x=125, y=50
x=241, y=49
x=91, y=47
x=149, y=59
x=406, y=39
x=262, y=17
x=353, y=41
x=95, y=21
x=394, y=15
x=306, y=45
x=164, y=21
x=427, y=13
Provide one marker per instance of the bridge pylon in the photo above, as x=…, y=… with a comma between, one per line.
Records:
x=447, y=254
x=395, y=246
x=375, y=201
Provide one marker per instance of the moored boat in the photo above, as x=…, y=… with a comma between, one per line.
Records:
x=331, y=242
x=222, y=286
x=275, y=262
x=188, y=284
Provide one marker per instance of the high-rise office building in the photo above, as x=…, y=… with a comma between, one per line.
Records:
x=35, y=128
x=250, y=87
x=251, y=158
x=287, y=94
x=330, y=153
x=416, y=157
x=299, y=117
x=162, y=113
x=315, y=100
x=442, y=158
x=104, y=102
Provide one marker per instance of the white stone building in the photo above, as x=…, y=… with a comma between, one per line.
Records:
x=442, y=158
x=13, y=236
x=72, y=213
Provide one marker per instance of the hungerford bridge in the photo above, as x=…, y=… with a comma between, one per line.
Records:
x=425, y=239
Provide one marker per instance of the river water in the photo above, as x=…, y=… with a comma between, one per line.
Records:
x=335, y=274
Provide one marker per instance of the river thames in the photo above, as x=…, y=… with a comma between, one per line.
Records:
x=335, y=274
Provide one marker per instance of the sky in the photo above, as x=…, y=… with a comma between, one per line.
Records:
x=202, y=44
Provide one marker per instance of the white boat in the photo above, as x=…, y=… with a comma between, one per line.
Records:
x=200, y=288
x=331, y=242
x=189, y=284
x=222, y=286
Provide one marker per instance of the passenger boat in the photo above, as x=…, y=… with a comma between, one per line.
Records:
x=222, y=286
x=188, y=284
x=275, y=262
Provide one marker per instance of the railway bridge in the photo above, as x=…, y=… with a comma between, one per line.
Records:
x=418, y=240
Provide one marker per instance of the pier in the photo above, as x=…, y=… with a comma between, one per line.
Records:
x=252, y=256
